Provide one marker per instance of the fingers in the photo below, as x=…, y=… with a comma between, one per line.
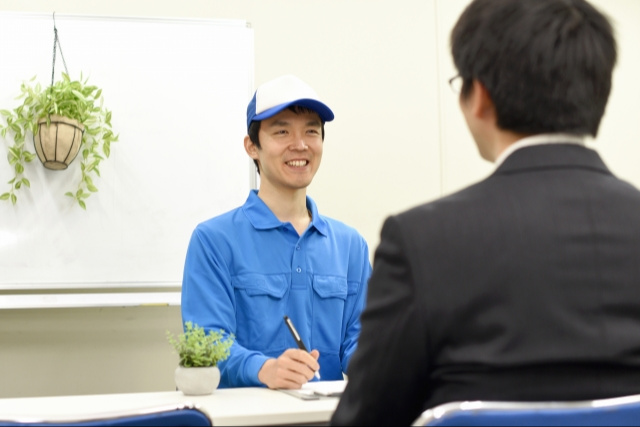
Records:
x=290, y=370
x=299, y=362
x=316, y=354
x=309, y=360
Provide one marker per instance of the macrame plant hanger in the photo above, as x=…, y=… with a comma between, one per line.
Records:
x=58, y=138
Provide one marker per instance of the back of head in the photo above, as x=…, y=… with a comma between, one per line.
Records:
x=547, y=64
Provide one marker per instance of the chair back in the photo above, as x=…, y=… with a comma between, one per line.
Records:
x=184, y=414
x=620, y=411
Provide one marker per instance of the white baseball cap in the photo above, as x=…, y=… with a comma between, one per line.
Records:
x=276, y=95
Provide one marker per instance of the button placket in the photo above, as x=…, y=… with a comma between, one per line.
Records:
x=298, y=266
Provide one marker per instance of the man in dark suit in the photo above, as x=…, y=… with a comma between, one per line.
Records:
x=526, y=285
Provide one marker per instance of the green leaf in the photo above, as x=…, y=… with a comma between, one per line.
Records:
x=4, y=196
x=14, y=153
x=89, y=182
x=78, y=95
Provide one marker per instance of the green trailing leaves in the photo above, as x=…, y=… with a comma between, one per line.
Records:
x=196, y=348
x=74, y=99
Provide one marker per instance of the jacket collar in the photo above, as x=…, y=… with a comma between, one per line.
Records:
x=549, y=156
x=539, y=139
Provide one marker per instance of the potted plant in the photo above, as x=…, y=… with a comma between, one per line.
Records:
x=70, y=108
x=197, y=372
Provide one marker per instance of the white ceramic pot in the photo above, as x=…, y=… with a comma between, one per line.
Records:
x=197, y=381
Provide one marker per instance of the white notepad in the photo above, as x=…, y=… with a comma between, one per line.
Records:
x=326, y=388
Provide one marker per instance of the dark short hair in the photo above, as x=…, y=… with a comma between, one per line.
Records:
x=254, y=129
x=547, y=64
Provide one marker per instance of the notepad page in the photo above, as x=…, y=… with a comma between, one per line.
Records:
x=326, y=388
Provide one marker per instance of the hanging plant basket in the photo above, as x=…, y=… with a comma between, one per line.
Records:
x=66, y=118
x=57, y=141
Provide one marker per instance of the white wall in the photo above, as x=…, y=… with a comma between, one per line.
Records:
x=397, y=140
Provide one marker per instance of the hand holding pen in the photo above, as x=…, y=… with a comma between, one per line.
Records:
x=297, y=338
x=290, y=370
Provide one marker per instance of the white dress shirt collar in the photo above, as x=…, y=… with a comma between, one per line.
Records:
x=545, y=138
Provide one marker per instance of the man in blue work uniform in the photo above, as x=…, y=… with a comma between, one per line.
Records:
x=276, y=256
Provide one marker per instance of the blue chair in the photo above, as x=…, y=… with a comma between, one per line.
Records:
x=619, y=411
x=185, y=414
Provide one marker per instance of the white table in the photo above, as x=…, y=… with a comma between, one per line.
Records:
x=236, y=406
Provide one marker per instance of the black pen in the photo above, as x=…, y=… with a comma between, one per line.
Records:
x=296, y=337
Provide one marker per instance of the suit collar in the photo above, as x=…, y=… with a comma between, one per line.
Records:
x=551, y=156
x=540, y=139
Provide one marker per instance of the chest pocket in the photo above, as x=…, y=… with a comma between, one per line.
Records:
x=329, y=298
x=330, y=287
x=259, y=299
x=274, y=285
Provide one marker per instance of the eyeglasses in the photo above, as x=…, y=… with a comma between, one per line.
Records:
x=455, y=83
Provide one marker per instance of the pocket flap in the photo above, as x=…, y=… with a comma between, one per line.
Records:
x=258, y=284
x=330, y=286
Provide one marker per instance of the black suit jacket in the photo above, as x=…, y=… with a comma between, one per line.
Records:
x=524, y=286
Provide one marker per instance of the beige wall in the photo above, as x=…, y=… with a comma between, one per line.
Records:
x=397, y=141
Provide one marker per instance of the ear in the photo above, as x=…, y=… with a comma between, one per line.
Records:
x=250, y=148
x=482, y=105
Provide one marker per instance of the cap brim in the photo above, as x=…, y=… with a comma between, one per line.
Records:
x=325, y=113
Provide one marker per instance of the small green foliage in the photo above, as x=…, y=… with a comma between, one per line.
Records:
x=197, y=349
x=74, y=99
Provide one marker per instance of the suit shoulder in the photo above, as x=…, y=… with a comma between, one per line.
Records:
x=452, y=203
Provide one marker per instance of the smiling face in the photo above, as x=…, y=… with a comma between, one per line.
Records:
x=290, y=150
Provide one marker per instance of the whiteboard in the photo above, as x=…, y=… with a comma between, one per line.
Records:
x=178, y=91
